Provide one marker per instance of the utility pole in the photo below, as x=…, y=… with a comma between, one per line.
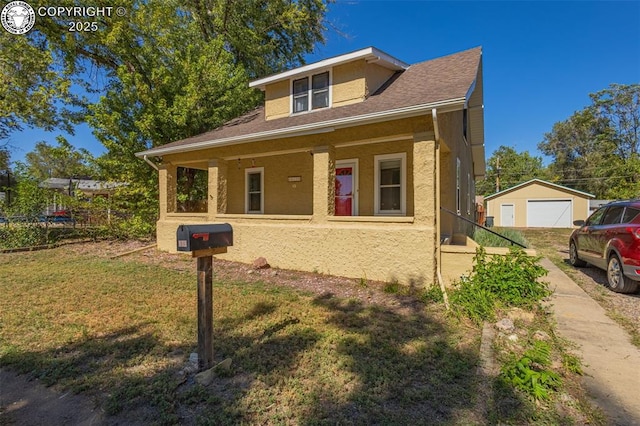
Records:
x=497, y=174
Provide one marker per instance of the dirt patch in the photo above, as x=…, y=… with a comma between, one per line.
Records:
x=25, y=402
x=367, y=291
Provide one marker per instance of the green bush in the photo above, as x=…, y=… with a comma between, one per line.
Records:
x=487, y=239
x=499, y=281
x=23, y=235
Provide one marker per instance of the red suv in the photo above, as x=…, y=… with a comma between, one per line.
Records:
x=610, y=240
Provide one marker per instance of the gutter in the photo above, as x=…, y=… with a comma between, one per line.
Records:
x=438, y=253
x=150, y=162
x=313, y=128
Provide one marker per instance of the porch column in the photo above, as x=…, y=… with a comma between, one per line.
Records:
x=324, y=177
x=424, y=178
x=167, y=177
x=217, y=202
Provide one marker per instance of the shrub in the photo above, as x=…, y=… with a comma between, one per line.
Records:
x=497, y=281
x=23, y=235
x=487, y=239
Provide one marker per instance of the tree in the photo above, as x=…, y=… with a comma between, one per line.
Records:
x=33, y=91
x=512, y=168
x=61, y=161
x=171, y=71
x=597, y=149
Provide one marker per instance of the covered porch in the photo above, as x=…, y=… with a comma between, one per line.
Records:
x=359, y=203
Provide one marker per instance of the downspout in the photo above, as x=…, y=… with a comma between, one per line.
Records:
x=149, y=162
x=438, y=254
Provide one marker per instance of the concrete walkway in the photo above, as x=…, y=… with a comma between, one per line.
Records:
x=611, y=363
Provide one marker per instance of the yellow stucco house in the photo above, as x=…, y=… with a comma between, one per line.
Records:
x=538, y=204
x=343, y=170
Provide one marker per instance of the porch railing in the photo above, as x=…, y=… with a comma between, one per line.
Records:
x=477, y=225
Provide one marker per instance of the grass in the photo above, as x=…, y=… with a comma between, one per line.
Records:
x=487, y=239
x=119, y=331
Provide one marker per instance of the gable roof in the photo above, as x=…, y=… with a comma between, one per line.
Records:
x=443, y=83
x=371, y=54
x=541, y=182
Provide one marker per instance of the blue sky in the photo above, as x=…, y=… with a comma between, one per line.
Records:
x=541, y=59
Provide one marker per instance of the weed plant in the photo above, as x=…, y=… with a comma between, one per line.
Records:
x=530, y=372
x=499, y=281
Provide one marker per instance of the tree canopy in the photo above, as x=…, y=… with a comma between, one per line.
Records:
x=510, y=168
x=33, y=90
x=162, y=71
x=61, y=161
x=597, y=148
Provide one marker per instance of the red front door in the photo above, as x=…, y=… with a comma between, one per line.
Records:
x=344, y=191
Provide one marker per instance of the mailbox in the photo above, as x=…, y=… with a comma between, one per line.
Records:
x=203, y=237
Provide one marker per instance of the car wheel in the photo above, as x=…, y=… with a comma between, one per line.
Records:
x=574, y=260
x=617, y=280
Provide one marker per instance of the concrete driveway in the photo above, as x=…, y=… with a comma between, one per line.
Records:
x=611, y=362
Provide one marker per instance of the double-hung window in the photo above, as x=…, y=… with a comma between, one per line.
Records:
x=312, y=96
x=254, y=201
x=390, y=184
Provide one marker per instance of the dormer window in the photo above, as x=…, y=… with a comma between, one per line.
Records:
x=317, y=92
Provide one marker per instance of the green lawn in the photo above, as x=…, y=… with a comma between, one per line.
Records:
x=120, y=330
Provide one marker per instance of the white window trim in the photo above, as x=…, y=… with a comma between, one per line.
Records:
x=248, y=171
x=310, y=91
x=403, y=184
x=356, y=188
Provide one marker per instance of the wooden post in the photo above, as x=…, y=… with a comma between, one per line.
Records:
x=205, y=312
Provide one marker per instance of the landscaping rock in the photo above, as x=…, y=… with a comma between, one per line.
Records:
x=541, y=335
x=261, y=263
x=520, y=314
x=505, y=325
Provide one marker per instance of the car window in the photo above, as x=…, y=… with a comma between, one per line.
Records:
x=613, y=215
x=630, y=214
x=594, y=219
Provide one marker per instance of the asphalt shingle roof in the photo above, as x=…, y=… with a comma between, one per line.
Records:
x=445, y=78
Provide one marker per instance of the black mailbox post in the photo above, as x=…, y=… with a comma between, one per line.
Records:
x=203, y=241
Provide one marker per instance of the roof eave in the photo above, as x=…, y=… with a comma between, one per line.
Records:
x=370, y=54
x=540, y=181
x=312, y=128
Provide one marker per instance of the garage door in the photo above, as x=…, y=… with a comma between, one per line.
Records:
x=549, y=213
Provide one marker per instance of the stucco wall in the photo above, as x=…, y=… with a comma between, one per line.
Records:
x=376, y=251
x=458, y=260
x=535, y=191
x=454, y=147
x=348, y=83
x=365, y=154
x=277, y=100
x=375, y=77
x=280, y=195
x=379, y=248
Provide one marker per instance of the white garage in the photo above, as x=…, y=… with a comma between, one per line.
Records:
x=538, y=204
x=549, y=213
